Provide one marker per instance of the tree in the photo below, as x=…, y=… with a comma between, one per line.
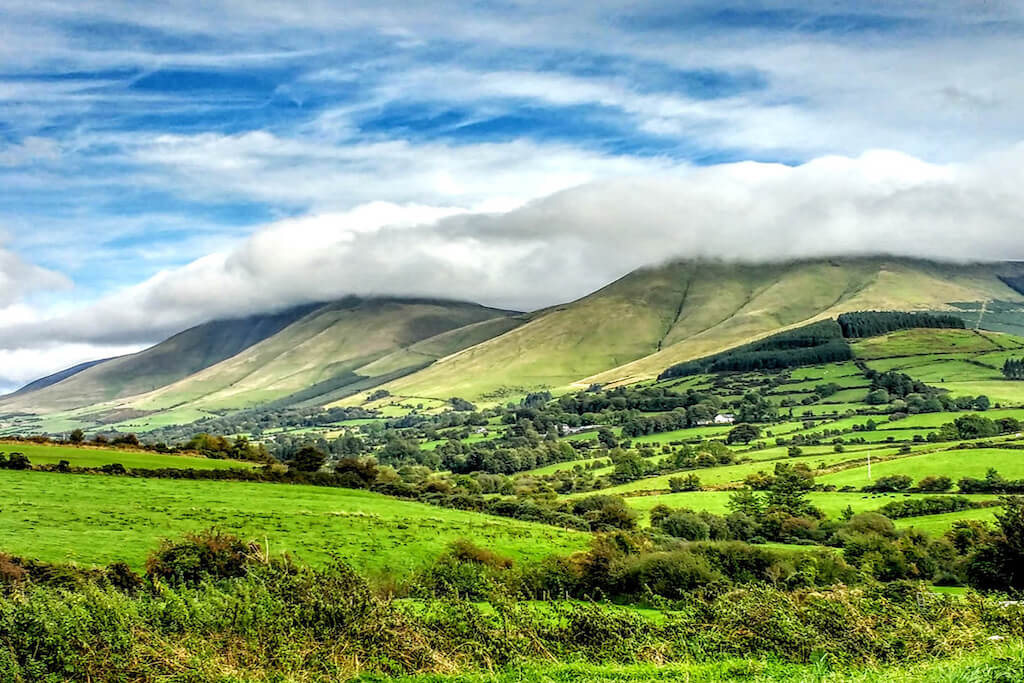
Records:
x=877, y=397
x=77, y=437
x=686, y=525
x=356, y=473
x=1014, y=369
x=746, y=502
x=789, y=489
x=629, y=466
x=607, y=438
x=743, y=433
x=690, y=482
x=975, y=427
x=999, y=564
x=935, y=484
x=308, y=459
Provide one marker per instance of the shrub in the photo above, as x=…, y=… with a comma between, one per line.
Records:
x=891, y=483
x=686, y=525
x=207, y=554
x=935, y=483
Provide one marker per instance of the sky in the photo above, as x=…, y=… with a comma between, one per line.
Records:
x=166, y=163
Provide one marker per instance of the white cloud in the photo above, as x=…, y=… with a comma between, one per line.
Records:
x=569, y=243
x=19, y=279
x=324, y=174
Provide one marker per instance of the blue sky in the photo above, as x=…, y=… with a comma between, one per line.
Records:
x=138, y=140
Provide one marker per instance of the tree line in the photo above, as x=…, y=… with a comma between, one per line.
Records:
x=814, y=344
x=1014, y=369
x=875, y=323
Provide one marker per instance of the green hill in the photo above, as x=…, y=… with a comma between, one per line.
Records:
x=636, y=327
x=329, y=353
x=628, y=331
x=178, y=357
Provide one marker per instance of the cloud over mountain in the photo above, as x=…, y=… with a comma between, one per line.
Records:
x=564, y=245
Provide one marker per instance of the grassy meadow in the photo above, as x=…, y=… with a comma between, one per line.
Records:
x=93, y=519
x=91, y=456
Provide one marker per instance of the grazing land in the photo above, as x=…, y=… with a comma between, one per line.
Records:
x=95, y=520
x=91, y=456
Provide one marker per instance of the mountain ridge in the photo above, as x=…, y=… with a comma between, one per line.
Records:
x=629, y=330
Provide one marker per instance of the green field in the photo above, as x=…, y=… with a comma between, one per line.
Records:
x=832, y=504
x=954, y=464
x=88, y=456
x=94, y=519
x=938, y=524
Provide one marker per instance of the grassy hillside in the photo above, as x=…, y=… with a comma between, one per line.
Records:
x=636, y=327
x=331, y=342
x=327, y=353
x=167, y=362
x=96, y=520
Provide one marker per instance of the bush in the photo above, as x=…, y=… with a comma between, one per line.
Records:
x=891, y=483
x=935, y=484
x=686, y=525
x=209, y=554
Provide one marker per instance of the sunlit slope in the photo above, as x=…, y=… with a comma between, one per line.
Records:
x=636, y=327
x=179, y=356
x=621, y=322
x=330, y=345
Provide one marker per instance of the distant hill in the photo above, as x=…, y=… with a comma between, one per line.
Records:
x=49, y=380
x=631, y=330
x=178, y=357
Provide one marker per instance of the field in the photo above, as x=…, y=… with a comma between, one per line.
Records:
x=954, y=463
x=832, y=504
x=89, y=456
x=94, y=519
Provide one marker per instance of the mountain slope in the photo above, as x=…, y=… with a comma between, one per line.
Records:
x=350, y=342
x=636, y=327
x=167, y=362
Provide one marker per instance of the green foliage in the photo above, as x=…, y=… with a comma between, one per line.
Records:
x=743, y=433
x=308, y=459
x=820, y=342
x=876, y=323
x=209, y=554
x=1013, y=368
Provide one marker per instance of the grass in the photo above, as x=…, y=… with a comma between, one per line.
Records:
x=88, y=456
x=725, y=474
x=935, y=525
x=921, y=342
x=832, y=504
x=954, y=464
x=94, y=519
x=993, y=663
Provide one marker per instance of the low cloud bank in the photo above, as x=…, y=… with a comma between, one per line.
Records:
x=565, y=245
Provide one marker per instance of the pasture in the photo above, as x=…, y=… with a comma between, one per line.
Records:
x=957, y=463
x=94, y=519
x=91, y=456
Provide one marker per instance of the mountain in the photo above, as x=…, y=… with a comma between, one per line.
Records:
x=178, y=357
x=628, y=331
x=652, y=318
x=316, y=354
x=50, y=380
